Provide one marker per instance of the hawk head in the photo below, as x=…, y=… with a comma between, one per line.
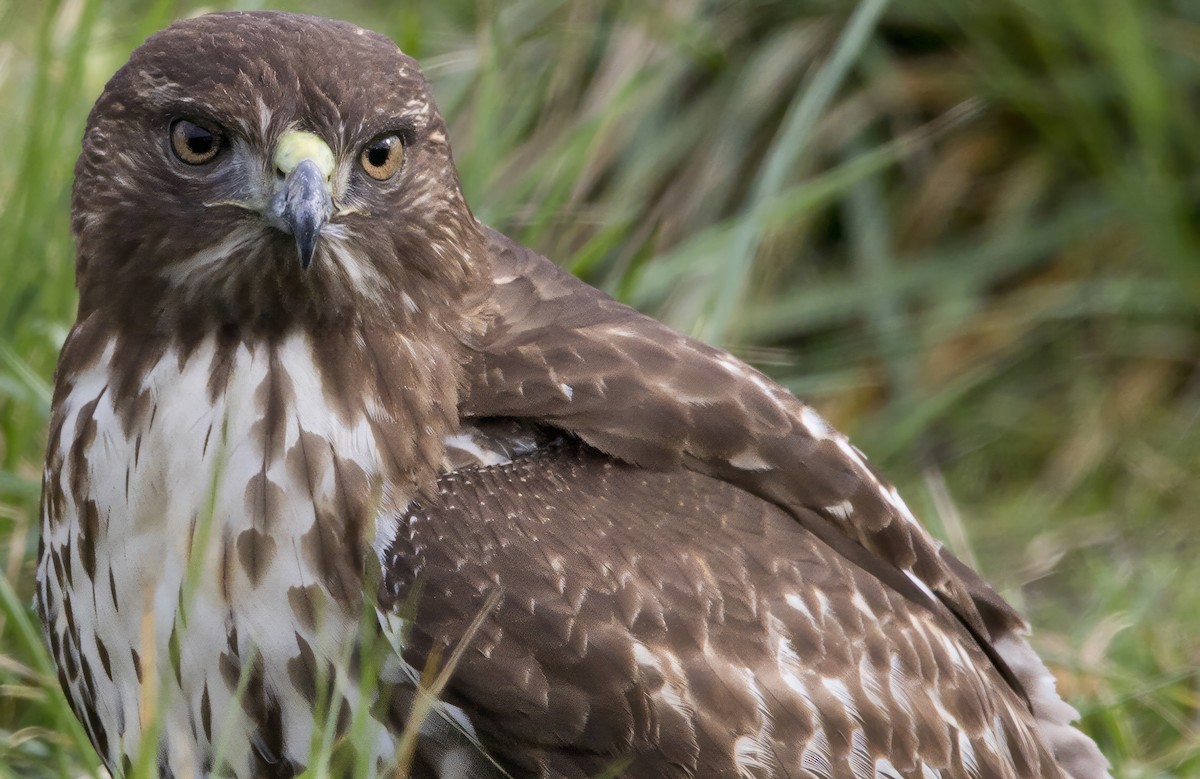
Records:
x=265, y=169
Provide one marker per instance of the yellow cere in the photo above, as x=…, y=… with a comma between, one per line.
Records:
x=295, y=146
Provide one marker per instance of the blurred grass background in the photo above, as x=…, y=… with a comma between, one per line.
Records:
x=966, y=230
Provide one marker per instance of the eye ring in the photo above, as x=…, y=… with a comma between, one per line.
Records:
x=382, y=156
x=195, y=143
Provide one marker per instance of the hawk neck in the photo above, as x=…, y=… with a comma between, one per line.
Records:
x=403, y=382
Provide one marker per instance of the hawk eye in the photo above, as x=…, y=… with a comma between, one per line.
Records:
x=381, y=157
x=194, y=143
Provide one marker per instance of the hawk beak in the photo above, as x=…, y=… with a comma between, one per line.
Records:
x=307, y=207
x=303, y=205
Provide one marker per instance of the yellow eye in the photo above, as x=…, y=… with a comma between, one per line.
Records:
x=194, y=143
x=381, y=158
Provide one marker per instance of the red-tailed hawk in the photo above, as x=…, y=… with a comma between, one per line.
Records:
x=306, y=384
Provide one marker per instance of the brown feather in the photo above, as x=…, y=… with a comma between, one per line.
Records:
x=651, y=396
x=595, y=558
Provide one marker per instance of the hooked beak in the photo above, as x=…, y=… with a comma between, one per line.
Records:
x=306, y=208
x=303, y=205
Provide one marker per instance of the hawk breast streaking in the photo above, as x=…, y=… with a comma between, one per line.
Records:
x=305, y=383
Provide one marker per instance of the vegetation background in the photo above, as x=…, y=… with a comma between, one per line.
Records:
x=966, y=230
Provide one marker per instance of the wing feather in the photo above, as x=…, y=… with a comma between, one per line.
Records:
x=651, y=396
x=561, y=353
x=668, y=623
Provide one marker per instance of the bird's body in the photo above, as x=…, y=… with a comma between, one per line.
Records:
x=627, y=551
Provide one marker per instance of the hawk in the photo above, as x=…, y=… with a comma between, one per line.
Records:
x=335, y=469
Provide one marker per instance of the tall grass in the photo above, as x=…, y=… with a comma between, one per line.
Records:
x=966, y=230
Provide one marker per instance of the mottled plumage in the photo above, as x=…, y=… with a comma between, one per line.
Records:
x=304, y=380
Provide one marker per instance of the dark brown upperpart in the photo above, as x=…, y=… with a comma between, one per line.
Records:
x=653, y=397
x=599, y=565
